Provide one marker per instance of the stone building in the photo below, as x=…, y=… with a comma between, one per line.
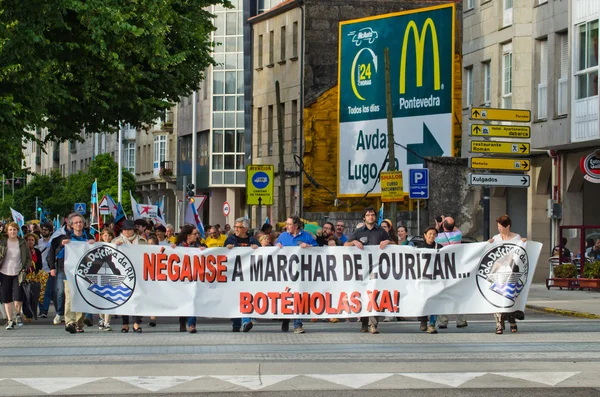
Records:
x=541, y=56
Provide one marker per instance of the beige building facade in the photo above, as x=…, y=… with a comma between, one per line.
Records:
x=526, y=55
x=277, y=58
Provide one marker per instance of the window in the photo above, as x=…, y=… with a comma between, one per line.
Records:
x=295, y=40
x=259, y=132
x=282, y=45
x=271, y=49
x=129, y=157
x=260, y=51
x=587, y=62
x=202, y=158
x=270, y=130
x=469, y=85
x=543, y=83
x=487, y=82
x=470, y=4
x=507, y=15
x=294, y=126
x=160, y=152
x=563, y=87
x=507, y=76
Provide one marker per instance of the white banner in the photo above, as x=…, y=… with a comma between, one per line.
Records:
x=300, y=282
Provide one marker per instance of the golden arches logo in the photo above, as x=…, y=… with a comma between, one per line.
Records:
x=419, y=50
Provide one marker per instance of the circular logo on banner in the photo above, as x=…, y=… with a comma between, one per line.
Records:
x=105, y=278
x=260, y=180
x=590, y=166
x=502, y=274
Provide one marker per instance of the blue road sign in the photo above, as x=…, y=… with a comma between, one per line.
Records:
x=419, y=183
x=80, y=207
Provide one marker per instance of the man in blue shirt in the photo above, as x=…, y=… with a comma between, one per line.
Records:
x=339, y=231
x=295, y=236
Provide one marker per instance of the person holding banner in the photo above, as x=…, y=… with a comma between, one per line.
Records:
x=429, y=242
x=15, y=260
x=294, y=236
x=369, y=234
x=189, y=236
x=56, y=261
x=506, y=236
x=240, y=238
x=129, y=236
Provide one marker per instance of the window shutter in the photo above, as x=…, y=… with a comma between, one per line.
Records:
x=544, y=61
x=564, y=55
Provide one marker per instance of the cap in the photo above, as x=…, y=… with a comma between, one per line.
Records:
x=128, y=225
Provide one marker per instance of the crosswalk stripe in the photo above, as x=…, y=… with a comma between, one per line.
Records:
x=351, y=380
x=52, y=385
x=547, y=378
x=454, y=379
x=156, y=383
x=253, y=382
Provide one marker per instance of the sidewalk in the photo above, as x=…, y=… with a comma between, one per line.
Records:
x=569, y=303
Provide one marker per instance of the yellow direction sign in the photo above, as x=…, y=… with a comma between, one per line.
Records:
x=391, y=186
x=493, y=163
x=503, y=131
x=259, y=184
x=499, y=147
x=521, y=115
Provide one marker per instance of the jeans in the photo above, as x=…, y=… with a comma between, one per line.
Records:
x=49, y=295
x=191, y=321
x=432, y=319
x=297, y=323
x=61, y=277
x=238, y=322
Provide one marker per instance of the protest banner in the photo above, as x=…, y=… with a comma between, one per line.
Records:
x=290, y=282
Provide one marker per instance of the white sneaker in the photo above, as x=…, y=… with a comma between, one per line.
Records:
x=58, y=319
x=11, y=325
x=101, y=324
x=107, y=327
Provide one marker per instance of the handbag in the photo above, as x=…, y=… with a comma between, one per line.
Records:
x=3, y=250
x=22, y=277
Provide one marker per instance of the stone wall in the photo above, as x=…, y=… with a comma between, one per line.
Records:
x=451, y=195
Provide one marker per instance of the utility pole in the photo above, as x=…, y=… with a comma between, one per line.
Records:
x=281, y=204
x=390, y=128
x=120, y=166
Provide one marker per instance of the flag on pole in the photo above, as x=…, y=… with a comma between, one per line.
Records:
x=119, y=219
x=19, y=220
x=134, y=207
x=161, y=205
x=112, y=206
x=42, y=217
x=380, y=215
x=192, y=217
x=267, y=220
x=94, y=199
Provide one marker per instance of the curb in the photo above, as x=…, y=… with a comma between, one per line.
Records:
x=561, y=312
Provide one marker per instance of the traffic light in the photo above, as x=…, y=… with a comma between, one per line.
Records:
x=40, y=205
x=190, y=191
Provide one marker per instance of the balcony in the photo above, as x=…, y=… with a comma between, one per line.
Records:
x=167, y=124
x=166, y=169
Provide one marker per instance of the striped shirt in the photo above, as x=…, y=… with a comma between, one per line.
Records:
x=449, y=238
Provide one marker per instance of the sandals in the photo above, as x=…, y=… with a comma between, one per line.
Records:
x=513, y=327
x=125, y=329
x=138, y=329
x=499, y=329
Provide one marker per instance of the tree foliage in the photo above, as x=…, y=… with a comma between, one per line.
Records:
x=59, y=194
x=70, y=65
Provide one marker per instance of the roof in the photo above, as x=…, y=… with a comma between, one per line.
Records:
x=276, y=10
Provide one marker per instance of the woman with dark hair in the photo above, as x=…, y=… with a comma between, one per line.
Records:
x=15, y=257
x=37, y=279
x=506, y=236
x=429, y=242
x=387, y=225
x=189, y=236
x=402, y=234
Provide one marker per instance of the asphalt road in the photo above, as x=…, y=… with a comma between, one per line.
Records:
x=550, y=354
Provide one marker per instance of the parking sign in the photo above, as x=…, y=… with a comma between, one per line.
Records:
x=419, y=183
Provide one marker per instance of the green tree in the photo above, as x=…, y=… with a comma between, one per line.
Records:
x=71, y=65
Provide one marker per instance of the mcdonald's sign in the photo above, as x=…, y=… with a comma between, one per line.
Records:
x=421, y=46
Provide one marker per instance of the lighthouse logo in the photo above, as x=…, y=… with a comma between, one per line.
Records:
x=105, y=278
x=502, y=274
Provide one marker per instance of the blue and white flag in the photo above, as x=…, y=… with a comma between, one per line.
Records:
x=19, y=220
x=380, y=215
x=94, y=199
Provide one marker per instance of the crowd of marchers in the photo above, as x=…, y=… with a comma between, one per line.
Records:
x=33, y=278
